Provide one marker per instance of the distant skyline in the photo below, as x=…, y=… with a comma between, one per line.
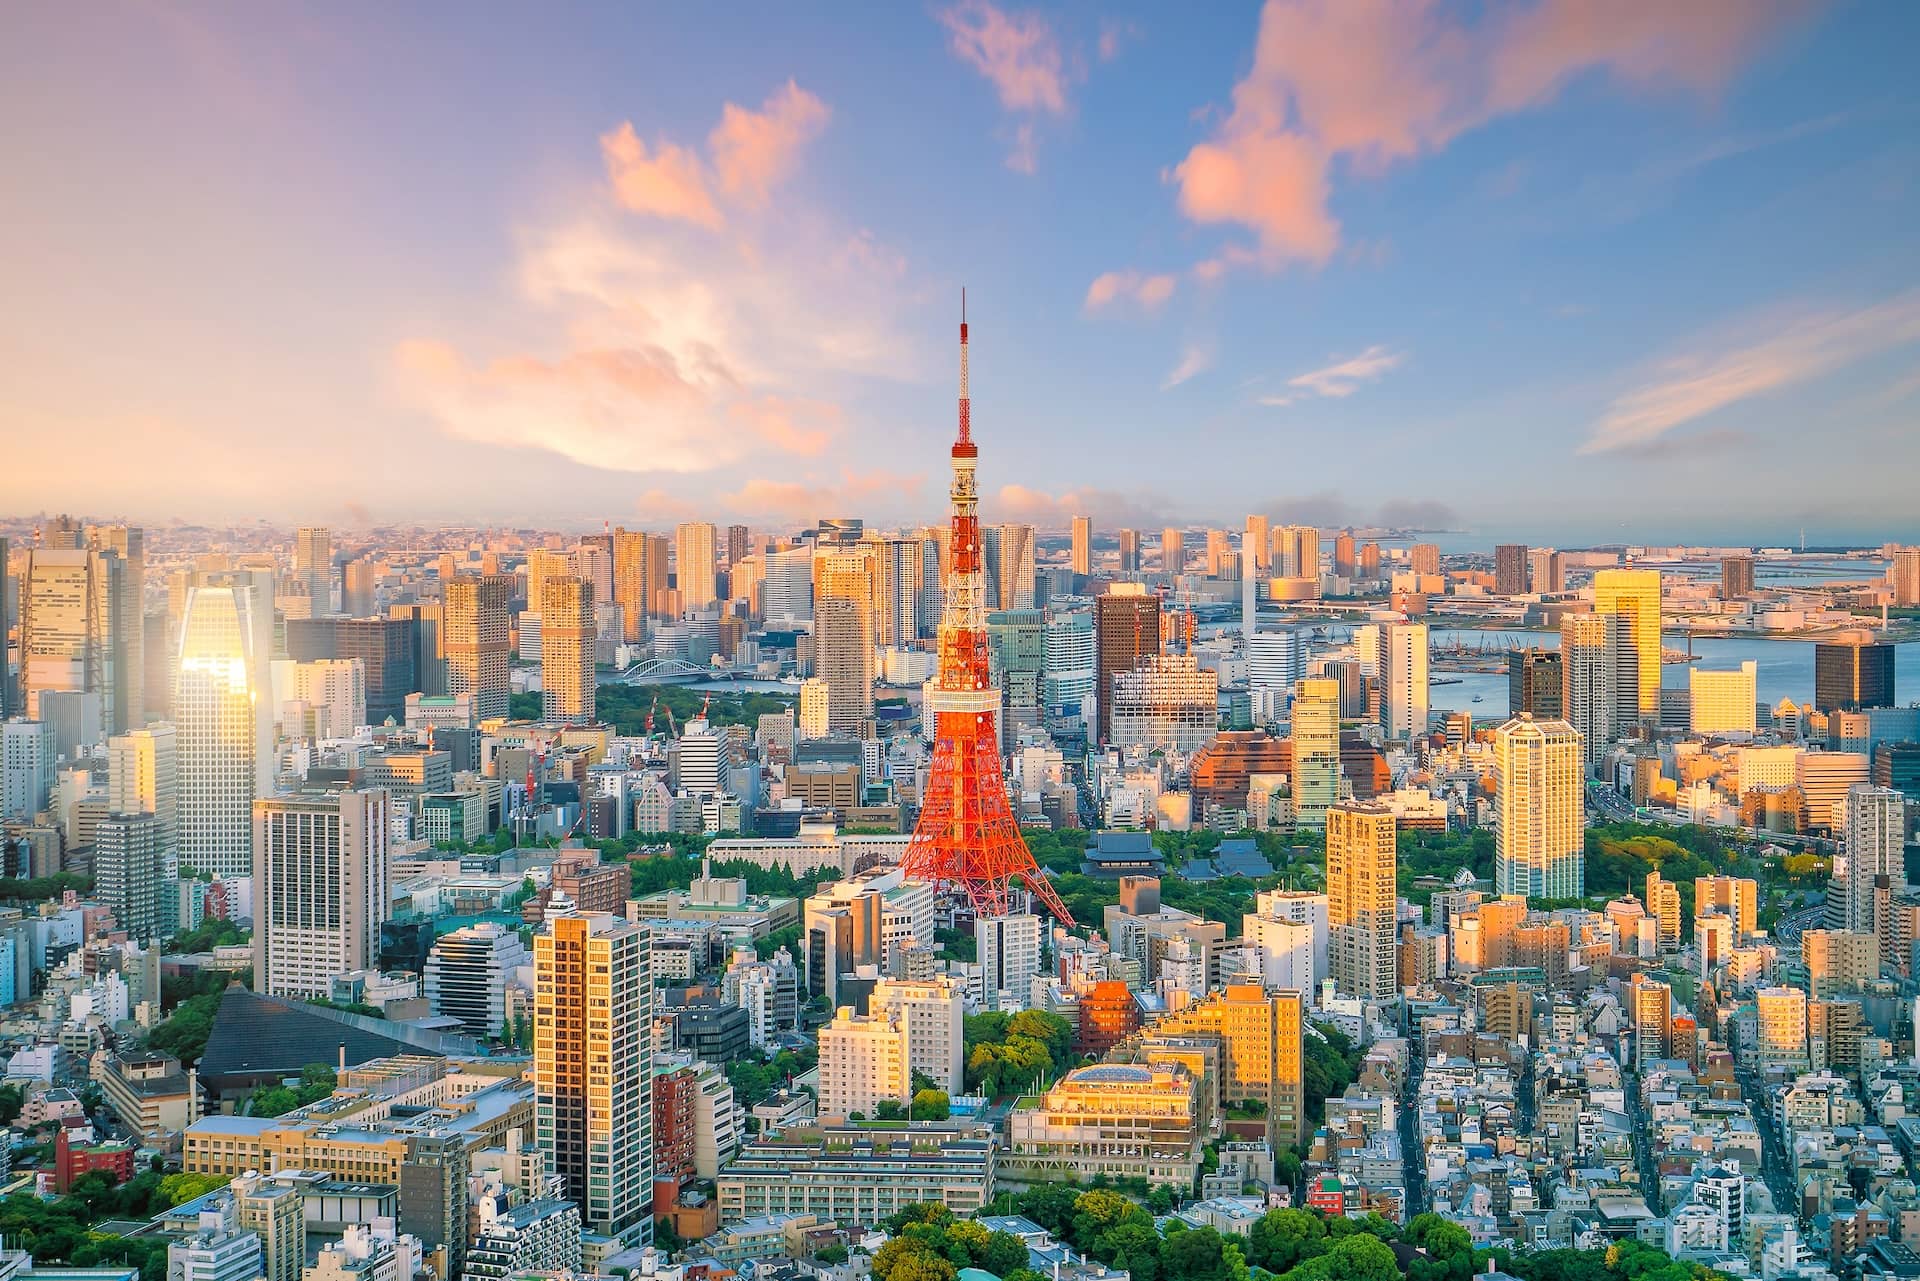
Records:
x=1563, y=271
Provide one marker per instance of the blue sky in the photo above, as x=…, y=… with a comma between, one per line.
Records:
x=1554, y=269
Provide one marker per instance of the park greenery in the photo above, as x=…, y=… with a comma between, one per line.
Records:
x=62, y=1230
x=316, y=1082
x=193, y=1001
x=625, y=707
x=755, y=1080
x=36, y=889
x=1010, y=1053
x=209, y=934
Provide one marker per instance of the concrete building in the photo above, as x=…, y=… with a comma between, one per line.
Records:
x=467, y=975
x=1634, y=595
x=321, y=888
x=1361, y=863
x=932, y=1012
x=1008, y=950
x=592, y=1059
x=1117, y=1120
x=1723, y=702
x=567, y=681
x=863, y=1060
x=1316, y=749
x=1540, y=817
x=474, y=633
x=1600, y=680
x=695, y=564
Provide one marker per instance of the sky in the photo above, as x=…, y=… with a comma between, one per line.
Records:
x=1562, y=270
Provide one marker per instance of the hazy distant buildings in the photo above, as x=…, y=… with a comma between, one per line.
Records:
x=1634, y=596
x=313, y=566
x=1173, y=550
x=1546, y=571
x=1080, y=558
x=1852, y=673
x=1539, y=810
x=1736, y=577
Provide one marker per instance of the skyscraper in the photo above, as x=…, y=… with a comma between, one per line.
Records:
x=593, y=1068
x=1223, y=561
x=474, y=631
x=1126, y=627
x=1723, y=702
x=313, y=566
x=1600, y=680
x=143, y=777
x=128, y=853
x=1875, y=845
x=786, y=592
x=1546, y=571
x=1361, y=862
x=1539, y=814
x=127, y=706
x=1256, y=541
x=1173, y=551
x=1852, y=672
x=321, y=887
x=843, y=590
x=1533, y=683
x=1082, y=557
x=737, y=548
x=1510, y=569
x=357, y=597
x=567, y=686
x=223, y=713
x=639, y=579
x=1296, y=551
x=1736, y=577
x=1345, y=563
x=1634, y=595
x=26, y=767
x=1424, y=558
x=70, y=599
x=1067, y=673
x=694, y=564
x=1404, y=709
x=1904, y=575
x=1129, y=551
x=1316, y=749
x=1010, y=566
x=899, y=590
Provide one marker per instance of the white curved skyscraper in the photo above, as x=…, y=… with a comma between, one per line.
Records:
x=221, y=712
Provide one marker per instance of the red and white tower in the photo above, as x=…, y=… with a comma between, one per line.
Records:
x=967, y=839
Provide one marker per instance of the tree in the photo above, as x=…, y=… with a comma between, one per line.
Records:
x=889, y=1110
x=1282, y=1239
x=1198, y=1255
x=831, y=1255
x=907, y=1258
x=1003, y=1255
x=11, y=1103
x=1362, y=1257
x=932, y=1105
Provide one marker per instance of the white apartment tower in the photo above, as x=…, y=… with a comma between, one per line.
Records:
x=321, y=887
x=1540, y=819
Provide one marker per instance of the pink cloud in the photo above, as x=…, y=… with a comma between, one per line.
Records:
x=807, y=499
x=792, y=426
x=1016, y=51
x=754, y=151
x=669, y=183
x=1115, y=286
x=1367, y=83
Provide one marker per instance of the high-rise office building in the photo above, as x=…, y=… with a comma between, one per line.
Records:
x=694, y=564
x=128, y=698
x=1736, y=577
x=26, y=767
x=128, y=853
x=357, y=594
x=1723, y=702
x=1016, y=657
x=567, y=684
x=639, y=579
x=1361, y=863
x=1510, y=569
x=1067, y=673
x=1129, y=551
x=313, y=566
x=593, y=1068
x=1539, y=810
x=1404, y=706
x=786, y=589
x=1296, y=551
x=1852, y=672
x=1011, y=574
x=1546, y=571
x=1275, y=660
x=70, y=600
x=1533, y=683
x=1345, y=563
x=1600, y=680
x=322, y=887
x=1904, y=575
x=1126, y=630
x=899, y=590
x=468, y=973
x=1876, y=865
x=737, y=547
x=143, y=777
x=843, y=640
x=1008, y=949
x=1316, y=749
x=1173, y=551
x=1081, y=558
x=389, y=649
x=474, y=632
x=1256, y=541
x=223, y=716
x=1634, y=595
x=1165, y=700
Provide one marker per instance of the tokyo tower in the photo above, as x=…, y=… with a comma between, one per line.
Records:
x=967, y=838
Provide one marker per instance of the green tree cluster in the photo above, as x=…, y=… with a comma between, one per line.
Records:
x=209, y=934
x=928, y=1242
x=316, y=1082
x=754, y=1080
x=35, y=889
x=1010, y=1052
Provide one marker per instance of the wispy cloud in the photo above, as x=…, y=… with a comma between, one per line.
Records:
x=1366, y=85
x=1115, y=35
x=1113, y=287
x=1692, y=386
x=1197, y=358
x=1339, y=380
x=1020, y=56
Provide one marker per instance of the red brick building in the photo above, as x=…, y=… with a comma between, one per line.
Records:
x=71, y=1162
x=673, y=1121
x=1108, y=1016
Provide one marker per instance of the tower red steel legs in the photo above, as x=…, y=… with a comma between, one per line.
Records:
x=967, y=838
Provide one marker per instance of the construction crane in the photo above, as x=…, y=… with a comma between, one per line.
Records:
x=650, y=711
